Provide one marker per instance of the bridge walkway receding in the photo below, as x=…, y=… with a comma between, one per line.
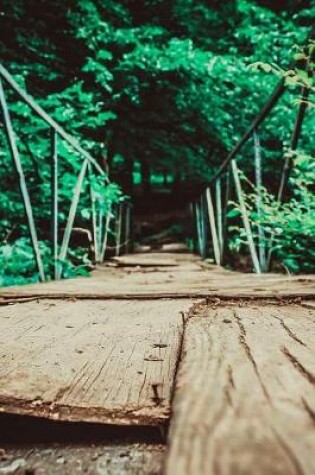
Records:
x=151, y=339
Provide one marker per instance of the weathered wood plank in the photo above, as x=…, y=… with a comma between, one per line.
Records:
x=151, y=259
x=187, y=277
x=244, y=398
x=110, y=362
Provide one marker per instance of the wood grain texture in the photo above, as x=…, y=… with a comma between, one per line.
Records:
x=110, y=362
x=187, y=277
x=244, y=398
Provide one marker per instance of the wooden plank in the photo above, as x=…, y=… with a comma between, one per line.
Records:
x=184, y=280
x=146, y=260
x=141, y=286
x=107, y=362
x=244, y=397
x=174, y=247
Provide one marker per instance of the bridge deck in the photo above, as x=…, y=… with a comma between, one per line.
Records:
x=93, y=361
x=107, y=349
x=158, y=275
x=244, y=399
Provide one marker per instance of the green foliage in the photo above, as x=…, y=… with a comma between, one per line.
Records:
x=296, y=76
x=167, y=82
x=17, y=264
x=151, y=82
x=289, y=226
x=11, y=257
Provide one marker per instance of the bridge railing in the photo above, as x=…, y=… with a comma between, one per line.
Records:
x=110, y=223
x=209, y=211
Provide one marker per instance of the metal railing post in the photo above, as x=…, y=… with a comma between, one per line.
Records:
x=22, y=183
x=258, y=199
x=214, y=235
x=71, y=216
x=224, y=217
x=199, y=228
x=245, y=217
x=93, y=216
x=54, y=201
x=99, y=227
x=203, y=227
x=218, y=202
x=105, y=238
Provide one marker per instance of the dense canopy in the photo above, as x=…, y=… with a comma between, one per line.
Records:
x=157, y=86
x=154, y=81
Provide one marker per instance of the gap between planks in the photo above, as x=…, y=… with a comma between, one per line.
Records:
x=210, y=297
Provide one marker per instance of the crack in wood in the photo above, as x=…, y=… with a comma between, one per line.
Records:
x=61, y=392
x=246, y=347
x=157, y=399
x=230, y=386
x=298, y=365
x=308, y=409
x=230, y=377
x=289, y=331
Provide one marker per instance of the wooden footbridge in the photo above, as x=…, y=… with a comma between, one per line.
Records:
x=227, y=359
x=159, y=362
